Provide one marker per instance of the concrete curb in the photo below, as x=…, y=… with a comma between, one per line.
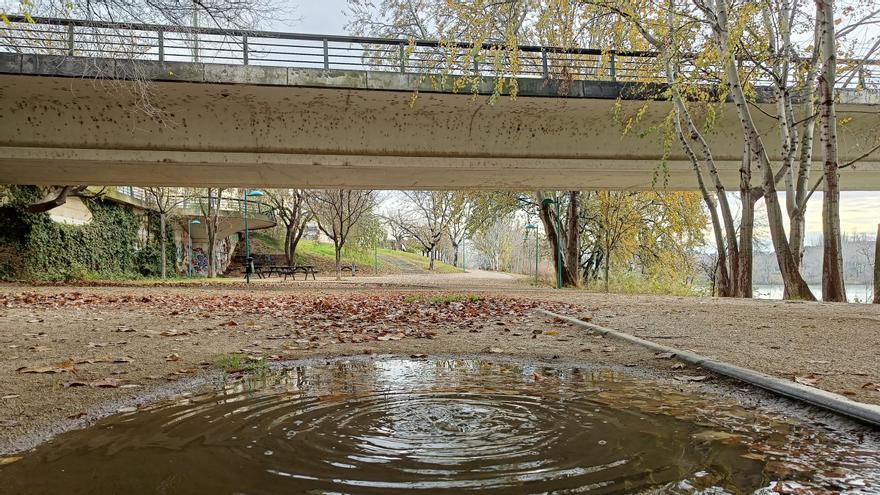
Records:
x=839, y=404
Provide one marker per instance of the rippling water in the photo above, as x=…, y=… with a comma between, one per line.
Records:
x=443, y=426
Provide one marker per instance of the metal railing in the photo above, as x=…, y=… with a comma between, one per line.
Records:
x=226, y=204
x=163, y=43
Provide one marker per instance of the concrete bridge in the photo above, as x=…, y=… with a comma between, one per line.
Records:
x=207, y=107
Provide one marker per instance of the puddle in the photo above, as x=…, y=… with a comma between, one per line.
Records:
x=445, y=427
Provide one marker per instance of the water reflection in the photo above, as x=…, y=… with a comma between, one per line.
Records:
x=443, y=426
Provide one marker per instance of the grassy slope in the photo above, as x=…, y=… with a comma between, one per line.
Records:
x=322, y=256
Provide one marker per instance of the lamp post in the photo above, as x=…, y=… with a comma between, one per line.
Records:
x=548, y=201
x=194, y=221
x=535, y=228
x=249, y=263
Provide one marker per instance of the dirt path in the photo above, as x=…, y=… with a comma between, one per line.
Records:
x=94, y=349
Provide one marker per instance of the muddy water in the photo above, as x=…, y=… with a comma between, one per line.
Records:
x=444, y=427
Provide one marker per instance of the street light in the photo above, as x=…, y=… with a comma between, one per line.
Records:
x=194, y=221
x=549, y=201
x=249, y=263
x=535, y=228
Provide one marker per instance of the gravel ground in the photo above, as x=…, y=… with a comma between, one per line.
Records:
x=121, y=357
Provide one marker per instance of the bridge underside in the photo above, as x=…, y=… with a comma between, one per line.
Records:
x=58, y=130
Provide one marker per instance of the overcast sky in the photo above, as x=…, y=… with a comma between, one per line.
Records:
x=860, y=211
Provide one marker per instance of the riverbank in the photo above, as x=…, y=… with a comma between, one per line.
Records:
x=72, y=354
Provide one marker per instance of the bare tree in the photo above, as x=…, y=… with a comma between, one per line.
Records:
x=337, y=211
x=209, y=204
x=165, y=201
x=291, y=208
x=425, y=216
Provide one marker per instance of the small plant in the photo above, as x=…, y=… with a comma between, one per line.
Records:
x=230, y=362
x=258, y=366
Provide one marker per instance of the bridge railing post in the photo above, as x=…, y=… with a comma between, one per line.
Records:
x=244, y=48
x=70, y=39
x=544, y=64
x=161, y=41
x=402, y=54
x=326, y=54
x=612, y=66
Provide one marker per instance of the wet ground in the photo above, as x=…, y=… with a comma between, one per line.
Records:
x=446, y=425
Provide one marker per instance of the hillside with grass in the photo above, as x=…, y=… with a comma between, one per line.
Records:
x=321, y=255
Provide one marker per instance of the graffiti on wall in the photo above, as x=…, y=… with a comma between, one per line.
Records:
x=200, y=261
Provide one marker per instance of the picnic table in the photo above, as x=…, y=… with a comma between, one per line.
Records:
x=266, y=271
x=306, y=269
x=353, y=268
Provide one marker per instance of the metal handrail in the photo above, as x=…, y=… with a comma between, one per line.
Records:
x=226, y=204
x=144, y=41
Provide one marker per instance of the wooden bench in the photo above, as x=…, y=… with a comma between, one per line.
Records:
x=353, y=268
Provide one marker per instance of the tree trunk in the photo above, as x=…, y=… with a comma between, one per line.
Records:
x=748, y=197
x=746, y=239
x=544, y=212
x=162, y=242
x=431, y=260
x=795, y=286
x=288, y=237
x=454, y=253
x=722, y=277
x=570, y=275
x=832, y=252
x=338, y=249
x=877, y=267
x=607, y=269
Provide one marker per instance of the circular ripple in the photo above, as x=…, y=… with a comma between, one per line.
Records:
x=402, y=427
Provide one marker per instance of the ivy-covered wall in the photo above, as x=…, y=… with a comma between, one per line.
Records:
x=33, y=247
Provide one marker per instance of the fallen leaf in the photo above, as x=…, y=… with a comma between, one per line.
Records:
x=11, y=396
x=74, y=383
x=172, y=333
x=691, y=378
x=810, y=381
x=418, y=356
x=172, y=357
x=679, y=366
x=664, y=355
x=493, y=350
x=105, y=383
x=710, y=435
x=872, y=385
x=54, y=368
x=552, y=332
x=9, y=460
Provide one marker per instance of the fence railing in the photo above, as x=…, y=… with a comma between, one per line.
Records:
x=82, y=38
x=197, y=203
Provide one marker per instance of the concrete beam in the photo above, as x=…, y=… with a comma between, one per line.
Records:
x=271, y=127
